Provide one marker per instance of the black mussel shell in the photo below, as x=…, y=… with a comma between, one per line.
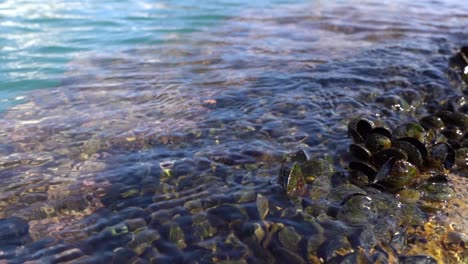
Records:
x=354, y=134
x=464, y=141
x=358, y=178
x=382, y=131
x=456, y=103
x=458, y=119
x=413, y=130
x=369, y=170
x=413, y=153
x=379, y=158
x=464, y=108
x=359, y=152
x=439, y=178
x=377, y=187
x=348, y=197
x=283, y=176
x=455, y=144
x=375, y=142
x=359, y=128
x=402, y=173
x=420, y=146
x=444, y=153
x=460, y=60
x=435, y=136
x=385, y=170
x=432, y=122
x=453, y=134
x=464, y=53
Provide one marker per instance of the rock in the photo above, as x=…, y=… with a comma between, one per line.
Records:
x=14, y=231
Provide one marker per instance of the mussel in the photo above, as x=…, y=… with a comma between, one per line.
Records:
x=375, y=142
x=397, y=173
x=359, y=129
x=443, y=154
x=359, y=152
x=413, y=130
x=379, y=158
x=415, y=156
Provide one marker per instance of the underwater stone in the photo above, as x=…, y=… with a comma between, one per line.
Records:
x=176, y=235
x=142, y=239
x=67, y=255
x=262, y=206
x=132, y=212
x=417, y=260
x=436, y=192
x=289, y=238
x=202, y=229
x=352, y=258
x=194, y=206
x=225, y=214
x=14, y=231
x=338, y=246
x=247, y=196
x=411, y=214
x=358, y=209
x=73, y=202
x=136, y=223
x=123, y=255
x=33, y=198
x=259, y=232
x=456, y=242
x=408, y=196
x=283, y=255
x=363, y=238
x=340, y=193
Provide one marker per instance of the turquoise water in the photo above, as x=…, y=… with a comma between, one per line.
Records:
x=142, y=132
x=39, y=38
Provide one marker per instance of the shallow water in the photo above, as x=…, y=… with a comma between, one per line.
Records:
x=156, y=143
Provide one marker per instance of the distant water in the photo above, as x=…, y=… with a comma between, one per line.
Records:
x=39, y=38
x=156, y=131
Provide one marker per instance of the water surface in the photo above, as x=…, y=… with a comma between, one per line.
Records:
x=154, y=129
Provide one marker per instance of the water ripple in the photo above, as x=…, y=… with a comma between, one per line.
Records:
x=163, y=120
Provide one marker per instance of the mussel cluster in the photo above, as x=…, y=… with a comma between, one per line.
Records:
x=396, y=179
x=413, y=155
